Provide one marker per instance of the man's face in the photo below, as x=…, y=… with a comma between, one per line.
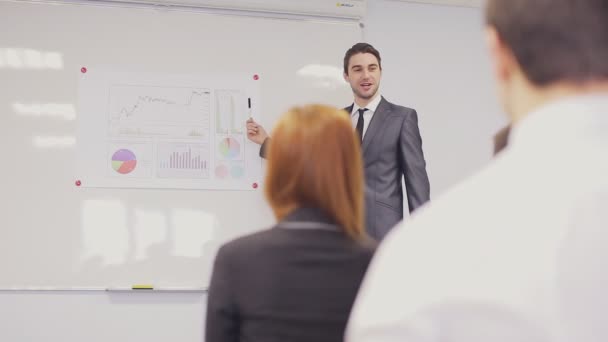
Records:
x=364, y=75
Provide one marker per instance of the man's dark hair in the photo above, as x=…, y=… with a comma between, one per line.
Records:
x=360, y=48
x=554, y=40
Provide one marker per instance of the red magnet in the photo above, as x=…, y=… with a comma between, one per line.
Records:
x=256, y=77
x=255, y=185
x=77, y=183
x=83, y=70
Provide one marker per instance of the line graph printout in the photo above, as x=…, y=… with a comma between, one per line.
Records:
x=157, y=111
x=158, y=130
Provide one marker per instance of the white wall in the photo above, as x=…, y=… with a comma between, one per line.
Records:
x=433, y=61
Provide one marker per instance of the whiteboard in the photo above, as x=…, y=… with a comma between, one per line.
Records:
x=55, y=234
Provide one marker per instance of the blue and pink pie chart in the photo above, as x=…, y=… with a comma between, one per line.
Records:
x=124, y=161
x=229, y=148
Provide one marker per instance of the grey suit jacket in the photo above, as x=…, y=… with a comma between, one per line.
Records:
x=392, y=148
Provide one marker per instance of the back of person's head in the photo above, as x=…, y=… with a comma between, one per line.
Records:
x=315, y=161
x=361, y=48
x=554, y=40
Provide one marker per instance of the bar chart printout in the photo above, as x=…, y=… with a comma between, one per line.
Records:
x=183, y=160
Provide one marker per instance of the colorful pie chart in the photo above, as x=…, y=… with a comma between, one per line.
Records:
x=221, y=171
x=237, y=171
x=124, y=161
x=229, y=148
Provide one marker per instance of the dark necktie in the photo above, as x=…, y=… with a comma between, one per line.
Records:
x=361, y=123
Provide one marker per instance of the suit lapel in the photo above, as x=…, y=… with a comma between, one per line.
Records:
x=349, y=109
x=375, y=126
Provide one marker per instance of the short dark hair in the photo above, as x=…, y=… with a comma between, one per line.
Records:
x=554, y=40
x=361, y=48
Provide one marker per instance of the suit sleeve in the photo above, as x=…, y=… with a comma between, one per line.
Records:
x=264, y=148
x=222, y=323
x=413, y=163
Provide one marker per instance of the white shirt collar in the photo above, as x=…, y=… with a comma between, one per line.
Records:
x=371, y=107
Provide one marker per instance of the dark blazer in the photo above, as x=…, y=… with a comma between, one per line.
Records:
x=294, y=282
x=392, y=149
x=501, y=139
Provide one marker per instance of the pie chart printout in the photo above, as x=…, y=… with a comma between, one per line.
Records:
x=124, y=161
x=230, y=148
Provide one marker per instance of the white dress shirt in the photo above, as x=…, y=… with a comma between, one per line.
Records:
x=367, y=115
x=517, y=253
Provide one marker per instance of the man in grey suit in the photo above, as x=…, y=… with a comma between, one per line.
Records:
x=391, y=143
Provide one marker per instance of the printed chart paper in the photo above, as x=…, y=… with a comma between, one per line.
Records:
x=152, y=130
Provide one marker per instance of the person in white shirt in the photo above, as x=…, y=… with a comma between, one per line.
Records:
x=519, y=251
